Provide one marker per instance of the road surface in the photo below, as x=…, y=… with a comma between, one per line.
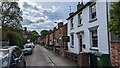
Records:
x=38, y=58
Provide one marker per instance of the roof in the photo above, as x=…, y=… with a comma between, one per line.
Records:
x=84, y=6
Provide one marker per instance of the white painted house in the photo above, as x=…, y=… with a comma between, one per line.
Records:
x=87, y=28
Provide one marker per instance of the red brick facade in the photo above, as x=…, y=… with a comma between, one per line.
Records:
x=59, y=33
x=47, y=40
x=115, y=54
x=54, y=37
x=51, y=39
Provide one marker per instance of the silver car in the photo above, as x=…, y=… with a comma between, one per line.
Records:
x=27, y=51
x=12, y=57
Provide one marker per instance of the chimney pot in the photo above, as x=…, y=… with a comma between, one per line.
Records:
x=79, y=6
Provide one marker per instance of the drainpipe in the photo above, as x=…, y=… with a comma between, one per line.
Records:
x=108, y=20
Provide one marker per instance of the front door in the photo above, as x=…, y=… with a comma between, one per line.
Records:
x=80, y=43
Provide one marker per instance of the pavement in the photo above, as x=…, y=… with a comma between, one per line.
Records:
x=57, y=59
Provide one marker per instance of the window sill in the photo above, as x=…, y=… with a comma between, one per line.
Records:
x=80, y=25
x=72, y=46
x=94, y=49
x=92, y=20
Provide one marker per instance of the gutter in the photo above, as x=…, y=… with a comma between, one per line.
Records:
x=107, y=25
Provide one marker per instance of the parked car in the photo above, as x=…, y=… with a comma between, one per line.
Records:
x=12, y=57
x=31, y=44
x=27, y=51
x=28, y=46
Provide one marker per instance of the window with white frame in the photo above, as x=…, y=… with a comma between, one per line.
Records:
x=71, y=23
x=93, y=11
x=94, y=38
x=79, y=18
x=72, y=39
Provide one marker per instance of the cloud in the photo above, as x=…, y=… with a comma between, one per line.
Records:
x=35, y=7
x=30, y=5
x=38, y=15
x=39, y=26
x=53, y=9
x=26, y=22
x=60, y=20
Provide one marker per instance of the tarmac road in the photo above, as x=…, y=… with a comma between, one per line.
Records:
x=38, y=58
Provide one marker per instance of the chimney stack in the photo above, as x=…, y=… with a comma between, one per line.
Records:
x=54, y=29
x=60, y=24
x=80, y=5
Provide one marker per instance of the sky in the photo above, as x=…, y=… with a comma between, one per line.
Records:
x=42, y=15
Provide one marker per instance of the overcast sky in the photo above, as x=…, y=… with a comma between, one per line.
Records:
x=42, y=15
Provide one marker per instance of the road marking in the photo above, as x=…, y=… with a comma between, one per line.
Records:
x=47, y=56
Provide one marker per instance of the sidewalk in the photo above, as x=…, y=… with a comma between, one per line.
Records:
x=58, y=60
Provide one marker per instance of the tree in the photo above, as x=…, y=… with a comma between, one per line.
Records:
x=34, y=35
x=15, y=39
x=115, y=18
x=10, y=17
x=11, y=14
x=44, y=32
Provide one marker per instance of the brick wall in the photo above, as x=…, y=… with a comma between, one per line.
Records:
x=115, y=54
x=59, y=33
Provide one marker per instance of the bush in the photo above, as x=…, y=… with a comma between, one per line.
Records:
x=14, y=38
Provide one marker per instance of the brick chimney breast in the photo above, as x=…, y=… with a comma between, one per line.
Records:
x=80, y=5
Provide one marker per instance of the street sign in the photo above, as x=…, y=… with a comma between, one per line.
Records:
x=65, y=39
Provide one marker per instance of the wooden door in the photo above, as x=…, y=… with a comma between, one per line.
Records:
x=80, y=43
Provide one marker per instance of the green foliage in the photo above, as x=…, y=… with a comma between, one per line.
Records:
x=115, y=18
x=11, y=14
x=34, y=36
x=11, y=26
x=15, y=37
x=44, y=32
x=19, y=40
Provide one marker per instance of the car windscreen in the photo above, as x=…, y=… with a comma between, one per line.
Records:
x=4, y=58
x=28, y=46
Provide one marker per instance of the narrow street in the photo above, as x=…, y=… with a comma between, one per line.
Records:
x=38, y=58
x=45, y=58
